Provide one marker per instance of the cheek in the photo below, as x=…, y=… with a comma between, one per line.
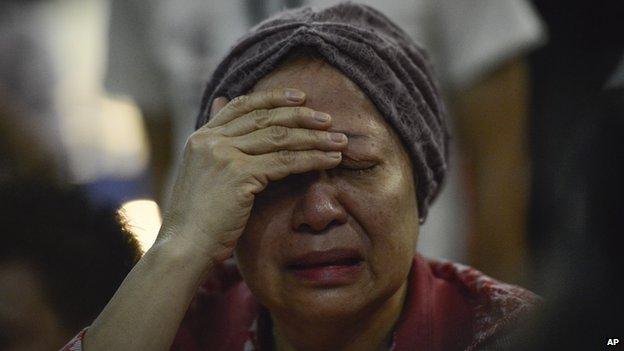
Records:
x=387, y=211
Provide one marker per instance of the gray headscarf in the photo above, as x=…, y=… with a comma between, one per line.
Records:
x=373, y=52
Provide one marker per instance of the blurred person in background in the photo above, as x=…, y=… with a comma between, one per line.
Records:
x=160, y=51
x=61, y=259
x=51, y=70
x=23, y=153
x=27, y=82
x=577, y=147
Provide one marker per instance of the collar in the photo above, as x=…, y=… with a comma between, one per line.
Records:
x=433, y=316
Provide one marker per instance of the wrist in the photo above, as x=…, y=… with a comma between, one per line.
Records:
x=180, y=254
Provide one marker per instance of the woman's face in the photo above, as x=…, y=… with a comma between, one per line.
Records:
x=333, y=243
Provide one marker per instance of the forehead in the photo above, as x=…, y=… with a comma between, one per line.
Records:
x=328, y=90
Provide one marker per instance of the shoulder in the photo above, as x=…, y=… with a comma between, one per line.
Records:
x=497, y=307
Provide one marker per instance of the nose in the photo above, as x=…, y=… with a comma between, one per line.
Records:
x=318, y=207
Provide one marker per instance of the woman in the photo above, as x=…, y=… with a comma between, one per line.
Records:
x=314, y=176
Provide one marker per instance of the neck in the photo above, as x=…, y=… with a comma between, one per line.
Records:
x=369, y=331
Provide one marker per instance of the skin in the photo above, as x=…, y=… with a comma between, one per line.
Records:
x=373, y=210
x=27, y=321
x=268, y=180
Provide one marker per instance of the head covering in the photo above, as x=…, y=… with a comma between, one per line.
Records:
x=374, y=53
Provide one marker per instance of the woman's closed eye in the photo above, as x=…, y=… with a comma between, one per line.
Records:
x=360, y=168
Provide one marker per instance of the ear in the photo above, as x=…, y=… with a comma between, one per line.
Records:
x=217, y=105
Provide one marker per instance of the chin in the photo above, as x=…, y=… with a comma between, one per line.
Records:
x=324, y=304
x=329, y=305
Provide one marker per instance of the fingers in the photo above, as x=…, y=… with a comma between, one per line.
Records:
x=264, y=99
x=294, y=117
x=277, y=138
x=217, y=105
x=275, y=135
x=278, y=165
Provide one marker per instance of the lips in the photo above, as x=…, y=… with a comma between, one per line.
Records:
x=327, y=268
x=335, y=257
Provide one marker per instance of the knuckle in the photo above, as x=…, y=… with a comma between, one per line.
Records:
x=216, y=146
x=240, y=102
x=286, y=157
x=215, y=142
x=220, y=152
x=224, y=159
x=300, y=111
x=277, y=134
x=195, y=141
x=276, y=94
x=206, y=143
x=314, y=135
x=261, y=118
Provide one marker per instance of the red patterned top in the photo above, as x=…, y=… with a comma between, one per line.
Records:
x=448, y=306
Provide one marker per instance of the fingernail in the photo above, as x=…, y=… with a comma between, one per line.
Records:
x=294, y=95
x=321, y=117
x=334, y=154
x=338, y=137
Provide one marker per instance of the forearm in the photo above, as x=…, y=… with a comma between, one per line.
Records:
x=147, y=309
x=226, y=163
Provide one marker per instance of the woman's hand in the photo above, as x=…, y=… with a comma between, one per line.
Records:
x=256, y=138
x=253, y=140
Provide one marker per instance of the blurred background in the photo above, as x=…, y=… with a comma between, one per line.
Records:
x=102, y=94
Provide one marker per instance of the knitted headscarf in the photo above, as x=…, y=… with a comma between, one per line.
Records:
x=374, y=53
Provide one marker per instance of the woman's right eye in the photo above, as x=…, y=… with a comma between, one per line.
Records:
x=284, y=185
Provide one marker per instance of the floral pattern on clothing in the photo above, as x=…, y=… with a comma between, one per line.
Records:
x=225, y=316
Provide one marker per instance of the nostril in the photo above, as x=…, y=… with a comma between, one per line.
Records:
x=317, y=209
x=307, y=228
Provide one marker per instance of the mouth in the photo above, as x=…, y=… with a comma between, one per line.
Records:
x=338, y=262
x=334, y=257
x=332, y=267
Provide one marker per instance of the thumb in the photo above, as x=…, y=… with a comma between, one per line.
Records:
x=217, y=105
